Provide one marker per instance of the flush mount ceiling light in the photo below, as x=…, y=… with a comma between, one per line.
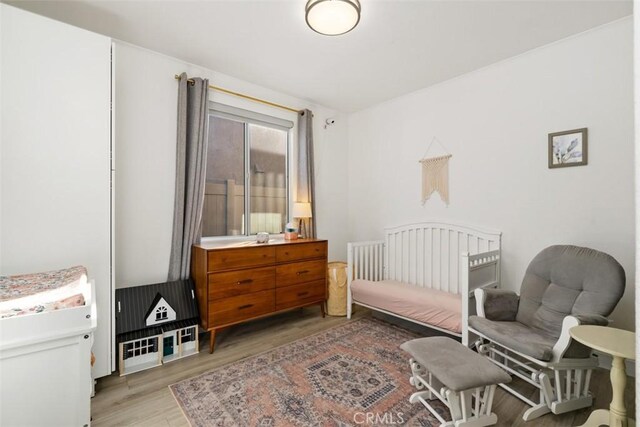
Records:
x=332, y=17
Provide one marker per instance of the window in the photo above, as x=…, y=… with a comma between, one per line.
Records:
x=161, y=313
x=187, y=335
x=140, y=347
x=247, y=172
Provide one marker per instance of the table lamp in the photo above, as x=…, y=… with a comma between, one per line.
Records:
x=302, y=211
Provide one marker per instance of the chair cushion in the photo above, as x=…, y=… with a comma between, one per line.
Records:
x=453, y=364
x=563, y=280
x=516, y=336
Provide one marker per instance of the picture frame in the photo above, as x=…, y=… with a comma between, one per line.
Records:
x=568, y=148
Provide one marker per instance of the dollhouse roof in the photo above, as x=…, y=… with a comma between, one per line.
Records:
x=134, y=304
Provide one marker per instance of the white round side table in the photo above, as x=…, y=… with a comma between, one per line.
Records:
x=621, y=345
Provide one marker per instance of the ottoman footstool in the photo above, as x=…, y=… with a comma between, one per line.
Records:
x=462, y=379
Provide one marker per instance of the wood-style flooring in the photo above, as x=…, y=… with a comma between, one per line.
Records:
x=144, y=399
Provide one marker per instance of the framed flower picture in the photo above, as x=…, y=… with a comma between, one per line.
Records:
x=568, y=148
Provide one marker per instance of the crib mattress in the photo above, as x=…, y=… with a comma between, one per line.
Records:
x=39, y=292
x=426, y=305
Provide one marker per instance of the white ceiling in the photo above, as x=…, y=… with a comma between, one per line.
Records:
x=398, y=47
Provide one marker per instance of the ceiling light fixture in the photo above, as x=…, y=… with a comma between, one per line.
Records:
x=332, y=17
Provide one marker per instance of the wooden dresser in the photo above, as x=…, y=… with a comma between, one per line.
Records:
x=238, y=282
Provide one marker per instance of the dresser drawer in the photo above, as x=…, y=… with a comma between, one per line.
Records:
x=243, y=307
x=301, y=251
x=233, y=283
x=300, y=272
x=230, y=259
x=296, y=295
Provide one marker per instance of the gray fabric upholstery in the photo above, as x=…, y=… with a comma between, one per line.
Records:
x=530, y=341
x=500, y=304
x=564, y=280
x=453, y=364
x=560, y=281
x=516, y=336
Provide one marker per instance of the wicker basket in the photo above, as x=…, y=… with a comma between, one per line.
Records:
x=337, y=302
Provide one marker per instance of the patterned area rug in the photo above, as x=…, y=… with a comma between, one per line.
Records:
x=350, y=375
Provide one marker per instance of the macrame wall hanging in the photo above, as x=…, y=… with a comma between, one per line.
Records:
x=435, y=174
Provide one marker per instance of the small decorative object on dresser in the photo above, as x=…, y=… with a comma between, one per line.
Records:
x=290, y=232
x=568, y=148
x=243, y=281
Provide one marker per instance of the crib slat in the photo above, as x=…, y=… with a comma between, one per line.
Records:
x=444, y=260
x=366, y=262
x=374, y=261
x=420, y=257
x=376, y=266
x=394, y=266
x=405, y=257
x=437, y=268
x=429, y=249
x=391, y=261
x=414, y=257
x=382, y=265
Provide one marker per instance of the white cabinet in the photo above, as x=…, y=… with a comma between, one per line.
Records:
x=55, y=156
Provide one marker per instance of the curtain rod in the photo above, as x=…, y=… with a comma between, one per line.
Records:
x=241, y=95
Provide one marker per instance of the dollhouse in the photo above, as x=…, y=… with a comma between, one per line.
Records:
x=155, y=324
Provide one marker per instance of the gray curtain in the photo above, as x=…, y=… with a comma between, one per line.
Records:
x=306, y=177
x=191, y=158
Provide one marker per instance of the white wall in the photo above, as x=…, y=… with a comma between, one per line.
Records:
x=636, y=56
x=145, y=133
x=495, y=122
x=55, y=170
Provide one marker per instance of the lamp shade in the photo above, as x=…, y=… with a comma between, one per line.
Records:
x=332, y=17
x=302, y=210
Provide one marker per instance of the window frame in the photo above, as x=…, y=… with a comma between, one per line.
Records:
x=247, y=117
x=139, y=347
x=161, y=313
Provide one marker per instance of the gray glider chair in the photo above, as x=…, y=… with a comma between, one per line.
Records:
x=528, y=334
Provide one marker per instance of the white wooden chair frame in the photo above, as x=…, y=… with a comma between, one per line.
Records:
x=448, y=257
x=468, y=408
x=563, y=383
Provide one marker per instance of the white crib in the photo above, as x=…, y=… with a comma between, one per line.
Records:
x=452, y=258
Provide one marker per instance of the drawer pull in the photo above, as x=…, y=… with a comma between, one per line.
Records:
x=245, y=281
x=301, y=294
x=302, y=272
x=242, y=307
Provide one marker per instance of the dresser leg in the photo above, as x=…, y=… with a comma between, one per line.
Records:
x=322, y=308
x=212, y=340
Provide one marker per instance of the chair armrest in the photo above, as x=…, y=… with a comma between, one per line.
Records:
x=496, y=304
x=565, y=346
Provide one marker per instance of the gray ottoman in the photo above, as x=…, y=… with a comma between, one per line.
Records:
x=462, y=379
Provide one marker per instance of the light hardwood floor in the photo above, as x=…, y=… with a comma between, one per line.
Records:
x=144, y=398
